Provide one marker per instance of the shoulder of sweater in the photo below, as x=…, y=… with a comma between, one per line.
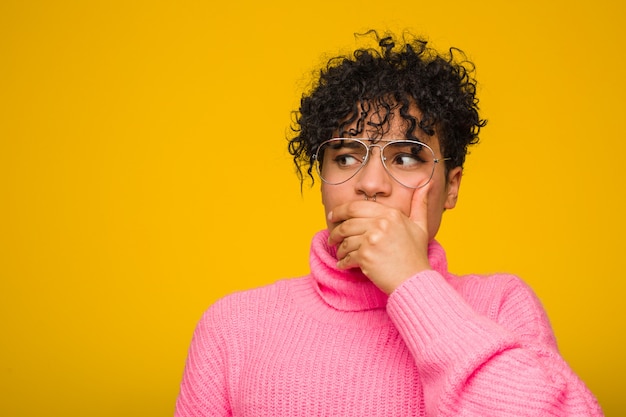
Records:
x=496, y=288
x=252, y=302
x=508, y=285
x=487, y=283
x=506, y=298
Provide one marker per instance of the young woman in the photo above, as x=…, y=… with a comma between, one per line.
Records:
x=380, y=327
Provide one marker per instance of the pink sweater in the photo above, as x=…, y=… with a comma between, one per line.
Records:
x=332, y=344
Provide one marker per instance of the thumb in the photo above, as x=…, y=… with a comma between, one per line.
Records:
x=419, y=206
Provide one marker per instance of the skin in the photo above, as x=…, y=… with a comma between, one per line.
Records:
x=388, y=238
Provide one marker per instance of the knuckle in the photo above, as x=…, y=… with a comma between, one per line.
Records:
x=383, y=223
x=373, y=239
x=368, y=257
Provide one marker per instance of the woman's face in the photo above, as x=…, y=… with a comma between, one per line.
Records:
x=373, y=179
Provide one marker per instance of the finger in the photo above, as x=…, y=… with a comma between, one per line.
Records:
x=354, y=209
x=348, y=261
x=349, y=244
x=419, y=206
x=350, y=227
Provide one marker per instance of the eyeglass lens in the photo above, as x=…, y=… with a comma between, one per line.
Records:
x=411, y=163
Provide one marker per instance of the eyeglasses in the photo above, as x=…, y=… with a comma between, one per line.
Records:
x=409, y=162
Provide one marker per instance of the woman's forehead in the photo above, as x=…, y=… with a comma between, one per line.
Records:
x=375, y=127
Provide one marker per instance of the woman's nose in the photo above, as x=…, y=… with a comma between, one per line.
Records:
x=373, y=178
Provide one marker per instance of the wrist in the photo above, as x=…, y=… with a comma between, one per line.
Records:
x=394, y=284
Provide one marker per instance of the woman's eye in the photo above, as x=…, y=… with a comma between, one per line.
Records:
x=346, y=160
x=407, y=160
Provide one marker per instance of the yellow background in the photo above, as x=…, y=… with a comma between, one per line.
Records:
x=143, y=174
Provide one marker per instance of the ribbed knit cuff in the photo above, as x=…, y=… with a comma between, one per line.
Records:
x=442, y=331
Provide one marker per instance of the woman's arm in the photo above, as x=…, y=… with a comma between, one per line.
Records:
x=474, y=365
x=203, y=391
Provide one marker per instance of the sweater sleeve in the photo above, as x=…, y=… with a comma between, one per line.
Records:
x=203, y=390
x=474, y=365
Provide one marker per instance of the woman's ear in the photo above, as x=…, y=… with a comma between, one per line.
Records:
x=452, y=187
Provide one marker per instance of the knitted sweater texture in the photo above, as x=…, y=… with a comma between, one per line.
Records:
x=332, y=344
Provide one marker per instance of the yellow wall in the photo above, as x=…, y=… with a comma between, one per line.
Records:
x=143, y=174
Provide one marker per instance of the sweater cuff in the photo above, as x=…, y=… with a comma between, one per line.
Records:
x=440, y=328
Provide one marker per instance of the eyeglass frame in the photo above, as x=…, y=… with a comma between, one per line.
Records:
x=382, y=158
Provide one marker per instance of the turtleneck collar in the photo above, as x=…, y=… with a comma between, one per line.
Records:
x=351, y=290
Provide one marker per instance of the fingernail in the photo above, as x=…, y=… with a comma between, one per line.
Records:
x=330, y=216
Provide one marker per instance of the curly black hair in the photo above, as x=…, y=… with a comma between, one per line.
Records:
x=381, y=80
